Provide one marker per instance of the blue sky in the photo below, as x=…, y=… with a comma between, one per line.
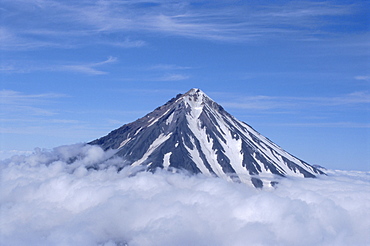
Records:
x=296, y=71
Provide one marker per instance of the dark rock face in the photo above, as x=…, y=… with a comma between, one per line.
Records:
x=194, y=133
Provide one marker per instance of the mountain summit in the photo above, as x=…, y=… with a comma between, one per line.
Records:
x=194, y=133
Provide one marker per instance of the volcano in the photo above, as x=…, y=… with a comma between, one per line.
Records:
x=192, y=132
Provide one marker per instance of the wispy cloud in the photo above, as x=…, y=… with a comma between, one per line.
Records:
x=57, y=23
x=168, y=67
x=326, y=112
x=13, y=97
x=363, y=77
x=126, y=43
x=173, y=77
x=13, y=39
x=171, y=72
x=31, y=66
x=88, y=68
x=273, y=102
x=328, y=124
x=26, y=104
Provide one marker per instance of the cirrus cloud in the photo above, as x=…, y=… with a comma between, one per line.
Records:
x=42, y=24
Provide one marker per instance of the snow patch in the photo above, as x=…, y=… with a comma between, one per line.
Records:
x=195, y=156
x=166, y=160
x=157, y=142
x=169, y=119
x=124, y=143
x=158, y=118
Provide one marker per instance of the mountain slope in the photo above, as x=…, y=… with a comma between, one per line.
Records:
x=194, y=133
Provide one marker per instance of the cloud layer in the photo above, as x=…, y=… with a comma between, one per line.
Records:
x=220, y=21
x=53, y=198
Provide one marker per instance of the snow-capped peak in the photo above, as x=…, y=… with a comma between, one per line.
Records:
x=194, y=133
x=195, y=100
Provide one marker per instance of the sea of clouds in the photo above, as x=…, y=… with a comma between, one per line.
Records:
x=58, y=197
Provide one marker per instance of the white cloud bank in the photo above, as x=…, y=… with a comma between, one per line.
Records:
x=50, y=198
